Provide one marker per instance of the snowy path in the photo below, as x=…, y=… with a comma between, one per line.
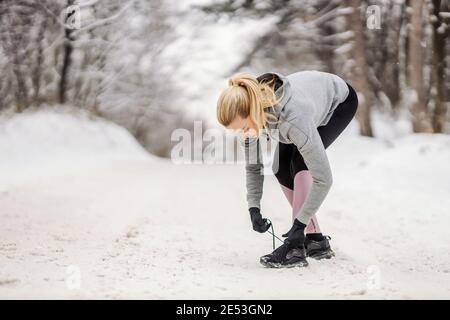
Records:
x=141, y=229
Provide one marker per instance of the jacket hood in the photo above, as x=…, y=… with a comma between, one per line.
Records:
x=282, y=88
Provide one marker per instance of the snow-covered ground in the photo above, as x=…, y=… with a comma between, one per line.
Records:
x=86, y=213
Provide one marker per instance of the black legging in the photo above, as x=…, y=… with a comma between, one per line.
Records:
x=290, y=159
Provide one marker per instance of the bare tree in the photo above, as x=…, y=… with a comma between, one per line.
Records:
x=67, y=50
x=361, y=69
x=383, y=52
x=440, y=35
x=419, y=110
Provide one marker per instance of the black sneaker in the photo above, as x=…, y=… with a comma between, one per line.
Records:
x=319, y=249
x=283, y=257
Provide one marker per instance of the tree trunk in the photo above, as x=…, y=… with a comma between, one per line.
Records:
x=439, y=43
x=67, y=59
x=326, y=53
x=37, y=70
x=421, y=120
x=361, y=71
x=390, y=79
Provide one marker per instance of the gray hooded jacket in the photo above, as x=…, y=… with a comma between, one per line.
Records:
x=308, y=102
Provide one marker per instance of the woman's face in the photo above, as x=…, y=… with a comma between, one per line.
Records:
x=243, y=126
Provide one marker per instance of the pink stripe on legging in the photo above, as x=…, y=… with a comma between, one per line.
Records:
x=302, y=185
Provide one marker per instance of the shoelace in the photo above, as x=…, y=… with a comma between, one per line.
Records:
x=282, y=241
x=273, y=234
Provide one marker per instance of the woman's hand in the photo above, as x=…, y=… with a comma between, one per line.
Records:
x=259, y=223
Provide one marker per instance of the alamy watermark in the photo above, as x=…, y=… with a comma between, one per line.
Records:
x=73, y=279
x=373, y=277
x=216, y=146
x=373, y=17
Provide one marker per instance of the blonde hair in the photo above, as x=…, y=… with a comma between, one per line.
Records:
x=247, y=97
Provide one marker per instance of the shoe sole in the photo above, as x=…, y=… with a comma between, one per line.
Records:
x=322, y=255
x=300, y=264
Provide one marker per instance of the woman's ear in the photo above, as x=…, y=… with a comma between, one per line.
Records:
x=253, y=129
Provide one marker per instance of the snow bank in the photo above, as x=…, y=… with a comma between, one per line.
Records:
x=52, y=141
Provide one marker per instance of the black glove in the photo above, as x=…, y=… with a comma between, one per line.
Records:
x=296, y=235
x=259, y=224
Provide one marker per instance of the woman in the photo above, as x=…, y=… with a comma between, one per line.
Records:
x=309, y=110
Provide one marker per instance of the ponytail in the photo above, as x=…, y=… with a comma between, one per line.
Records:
x=247, y=97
